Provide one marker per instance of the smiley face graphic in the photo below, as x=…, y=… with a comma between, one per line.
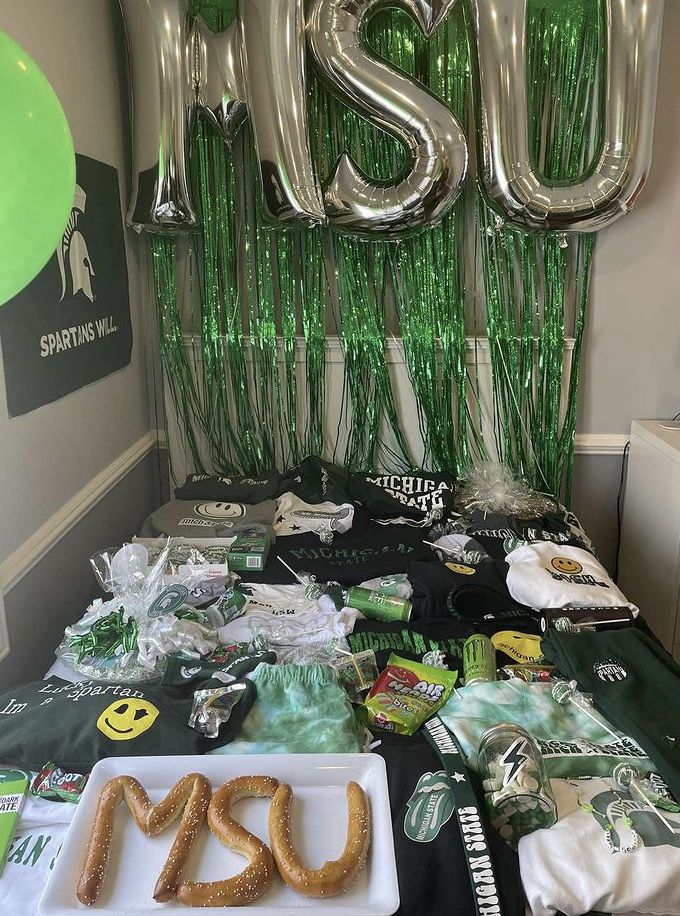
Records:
x=461, y=568
x=565, y=565
x=127, y=718
x=220, y=511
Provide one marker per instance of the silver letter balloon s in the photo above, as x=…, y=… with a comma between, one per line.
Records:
x=254, y=68
x=611, y=188
x=401, y=107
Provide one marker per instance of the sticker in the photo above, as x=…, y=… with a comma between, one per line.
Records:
x=514, y=760
x=430, y=807
x=521, y=647
x=170, y=600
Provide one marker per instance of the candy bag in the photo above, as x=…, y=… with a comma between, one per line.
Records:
x=357, y=673
x=407, y=694
x=55, y=784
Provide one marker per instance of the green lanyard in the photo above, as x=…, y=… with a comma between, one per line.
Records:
x=470, y=823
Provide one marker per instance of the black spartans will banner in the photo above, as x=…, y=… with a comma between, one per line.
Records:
x=71, y=325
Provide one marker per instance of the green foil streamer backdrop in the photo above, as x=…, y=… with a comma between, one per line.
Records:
x=536, y=285
x=245, y=357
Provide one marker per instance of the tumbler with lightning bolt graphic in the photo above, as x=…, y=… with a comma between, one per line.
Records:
x=517, y=790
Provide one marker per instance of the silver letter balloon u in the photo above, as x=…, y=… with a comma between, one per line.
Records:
x=401, y=107
x=255, y=67
x=622, y=165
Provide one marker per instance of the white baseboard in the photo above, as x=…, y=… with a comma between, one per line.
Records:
x=24, y=558
x=477, y=349
x=4, y=635
x=600, y=443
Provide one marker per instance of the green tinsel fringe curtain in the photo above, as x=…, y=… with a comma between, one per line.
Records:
x=244, y=309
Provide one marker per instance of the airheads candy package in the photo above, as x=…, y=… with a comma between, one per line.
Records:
x=406, y=694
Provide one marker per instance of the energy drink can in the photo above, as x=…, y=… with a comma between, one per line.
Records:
x=377, y=606
x=479, y=660
x=516, y=787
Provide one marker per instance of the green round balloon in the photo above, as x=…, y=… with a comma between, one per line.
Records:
x=37, y=169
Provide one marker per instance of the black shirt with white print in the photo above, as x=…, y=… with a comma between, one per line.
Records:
x=230, y=489
x=432, y=868
x=408, y=499
x=350, y=559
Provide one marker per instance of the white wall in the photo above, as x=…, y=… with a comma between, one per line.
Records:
x=632, y=351
x=79, y=474
x=47, y=456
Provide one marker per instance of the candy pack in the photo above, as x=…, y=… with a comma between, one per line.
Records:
x=407, y=694
x=356, y=673
x=55, y=784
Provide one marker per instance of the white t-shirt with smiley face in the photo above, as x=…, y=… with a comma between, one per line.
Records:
x=547, y=575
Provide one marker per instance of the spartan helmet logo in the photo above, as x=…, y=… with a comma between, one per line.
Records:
x=72, y=254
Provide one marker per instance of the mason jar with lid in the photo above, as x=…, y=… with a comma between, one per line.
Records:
x=516, y=787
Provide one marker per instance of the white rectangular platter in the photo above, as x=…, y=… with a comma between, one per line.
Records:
x=319, y=830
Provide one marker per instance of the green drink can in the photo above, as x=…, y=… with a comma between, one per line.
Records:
x=377, y=606
x=479, y=660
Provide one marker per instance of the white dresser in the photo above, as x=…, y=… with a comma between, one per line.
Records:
x=649, y=570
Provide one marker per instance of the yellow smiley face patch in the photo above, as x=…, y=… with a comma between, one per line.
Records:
x=127, y=718
x=460, y=568
x=565, y=565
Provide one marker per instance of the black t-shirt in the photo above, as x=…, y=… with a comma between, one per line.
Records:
x=431, y=866
x=411, y=640
x=497, y=533
x=230, y=489
x=350, y=559
x=75, y=725
x=415, y=638
x=456, y=589
x=417, y=496
x=314, y=480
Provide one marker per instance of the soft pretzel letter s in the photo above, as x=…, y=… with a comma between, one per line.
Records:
x=258, y=875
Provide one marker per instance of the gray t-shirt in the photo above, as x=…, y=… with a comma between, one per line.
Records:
x=202, y=519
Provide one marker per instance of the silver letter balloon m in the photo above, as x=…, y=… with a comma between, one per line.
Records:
x=401, y=107
x=255, y=68
x=158, y=47
x=608, y=190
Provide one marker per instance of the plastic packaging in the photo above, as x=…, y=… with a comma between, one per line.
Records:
x=55, y=784
x=212, y=708
x=407, y=694
x=126, y=637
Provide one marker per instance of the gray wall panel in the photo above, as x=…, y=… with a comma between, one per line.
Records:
x=58, y=589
